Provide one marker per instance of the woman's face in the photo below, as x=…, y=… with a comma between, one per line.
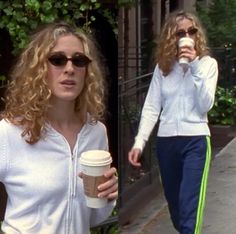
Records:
x=185, y=28
x=65, y=79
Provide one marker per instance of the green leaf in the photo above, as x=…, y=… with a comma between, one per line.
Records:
x=78, y=15
x=17, y=5
x=8, y=11
x=2, y=78
x=33, y=24
x=47, y=5
x=92, y=18
x=47, y=18
x=84, y=7
x=64, y=11
x=97, y=5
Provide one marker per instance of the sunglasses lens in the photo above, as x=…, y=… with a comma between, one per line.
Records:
x=192, y=31
x=80, y=60
x=181, y=33
x=58, y=60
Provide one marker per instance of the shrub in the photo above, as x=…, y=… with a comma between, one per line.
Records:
x=224, y=109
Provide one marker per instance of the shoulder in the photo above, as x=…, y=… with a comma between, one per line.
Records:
x=97, y=127
x=204, y=64
x=157, y=74
x=8, y=127
x=4, y=126
x=10, y=133
x=3, y=123
x=95, y=134
x=157, y=71
x=101, y=126
x=4, y=147
x=208, y=59
x=3, y=133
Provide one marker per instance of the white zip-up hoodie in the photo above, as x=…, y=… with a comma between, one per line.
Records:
x=45, y=193
x=182, y=98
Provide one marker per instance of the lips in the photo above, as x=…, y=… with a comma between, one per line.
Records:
x=68, y=82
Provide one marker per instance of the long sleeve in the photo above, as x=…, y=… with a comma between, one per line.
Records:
x=204, y=75
x=150, y=111
x=99, y=215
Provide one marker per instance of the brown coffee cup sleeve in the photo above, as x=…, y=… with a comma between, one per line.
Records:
x=91, y=184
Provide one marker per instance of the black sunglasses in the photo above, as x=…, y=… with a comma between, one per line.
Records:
x=78, y=60
x=190, y=31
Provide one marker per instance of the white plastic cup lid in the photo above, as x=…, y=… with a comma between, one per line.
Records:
x=186, y=41
x=95, y=158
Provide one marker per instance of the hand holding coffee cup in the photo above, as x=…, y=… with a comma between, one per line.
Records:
x=185, y=42
x=94, y=164
x=109, y=189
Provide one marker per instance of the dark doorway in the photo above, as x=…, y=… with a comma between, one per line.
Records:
x=108, y=44
x=6, y=58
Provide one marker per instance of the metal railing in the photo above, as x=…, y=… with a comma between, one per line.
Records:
x=132, y=94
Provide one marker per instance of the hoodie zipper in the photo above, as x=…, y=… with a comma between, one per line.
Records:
x=72, y=185
x=72, y=182
x=180, y=103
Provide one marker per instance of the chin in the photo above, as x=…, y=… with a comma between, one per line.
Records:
x=67, y=98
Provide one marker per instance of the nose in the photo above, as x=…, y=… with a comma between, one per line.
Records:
x=69, y=68
x=187, y=34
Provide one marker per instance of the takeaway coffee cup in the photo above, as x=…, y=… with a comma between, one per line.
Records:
x=94, y=163
x=188, y=42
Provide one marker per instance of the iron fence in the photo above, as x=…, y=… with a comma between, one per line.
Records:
x=132, y=93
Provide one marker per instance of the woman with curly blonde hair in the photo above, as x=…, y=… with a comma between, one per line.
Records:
x=29, y=94
x=181, y=92
x=54, y=104
x=167, y=51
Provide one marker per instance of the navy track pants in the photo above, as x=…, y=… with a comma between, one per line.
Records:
x=184, y=163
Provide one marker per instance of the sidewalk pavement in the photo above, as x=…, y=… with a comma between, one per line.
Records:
x=220, y=209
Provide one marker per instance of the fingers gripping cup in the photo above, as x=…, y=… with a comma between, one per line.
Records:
x=94, y=164
x=185, y=42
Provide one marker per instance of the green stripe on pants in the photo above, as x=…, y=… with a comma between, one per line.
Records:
x=202, y=196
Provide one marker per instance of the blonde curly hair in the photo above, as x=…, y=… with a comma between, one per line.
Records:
x=166, y=53
x=28, y=95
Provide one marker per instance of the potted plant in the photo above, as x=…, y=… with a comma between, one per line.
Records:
x=222, y=117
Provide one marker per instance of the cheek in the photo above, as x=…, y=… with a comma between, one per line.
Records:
x=49, y=78
x=82, y=76
x=83, y=72
x=81, y=85
x=52, y=75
